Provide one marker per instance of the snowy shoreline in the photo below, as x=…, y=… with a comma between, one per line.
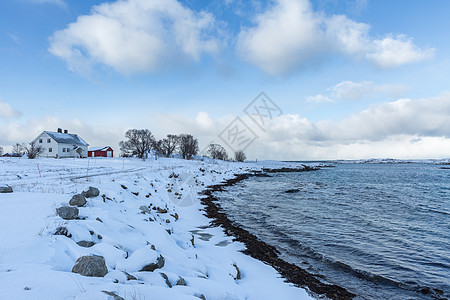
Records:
x=262, y=251
x=144, y=210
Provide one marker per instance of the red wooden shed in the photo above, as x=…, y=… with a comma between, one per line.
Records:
x=106, y=151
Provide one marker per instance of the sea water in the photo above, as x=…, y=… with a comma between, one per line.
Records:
x=382, y=231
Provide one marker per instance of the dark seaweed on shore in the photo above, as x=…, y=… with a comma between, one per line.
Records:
x=261, y=250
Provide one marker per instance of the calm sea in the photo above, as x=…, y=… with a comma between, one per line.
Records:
x=382, y=231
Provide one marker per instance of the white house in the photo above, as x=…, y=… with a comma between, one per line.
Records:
x=61, y=144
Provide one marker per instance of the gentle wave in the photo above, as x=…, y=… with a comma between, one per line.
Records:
x=380, y=231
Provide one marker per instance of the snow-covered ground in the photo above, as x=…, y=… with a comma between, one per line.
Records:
x=129, y=227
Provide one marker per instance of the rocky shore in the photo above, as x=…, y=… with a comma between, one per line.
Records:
x=261, y=250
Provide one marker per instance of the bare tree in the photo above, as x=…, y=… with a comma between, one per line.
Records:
x=1, y=151
x=18, y=149
x=216, y=151
x=188, y=146
x=240, y=156
x=33, y=151
x=139, y=142
x=168, y=145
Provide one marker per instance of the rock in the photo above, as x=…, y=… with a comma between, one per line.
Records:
x=129, y=276
x=144, y=209
x=153, y=266
x=162, y=210
x=91, y=266
x=62, y=231
x=292, y=191
x=238, y=272
x=114, y=295
x=78, y=200
x=181, y=281
x=91, y=192
x=67, y=212
x=201, y=296
x=163, y=275
x=85, y=244
x=4, y=188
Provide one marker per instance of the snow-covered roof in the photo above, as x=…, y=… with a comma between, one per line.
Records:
x=66, y=138
x=99, y=148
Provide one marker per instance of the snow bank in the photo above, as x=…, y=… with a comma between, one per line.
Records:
x=144, y=210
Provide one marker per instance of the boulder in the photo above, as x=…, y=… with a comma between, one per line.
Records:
x=181, y=281
x=85, y=244
x=67, y=212
x=163, y=275
x=156, y=265
x=77, y=200
x=144, y=209
x=61, y=230
x=129, y=276
x=91, y=266
x=113, y=295
x=91, y=192
x=4, y=188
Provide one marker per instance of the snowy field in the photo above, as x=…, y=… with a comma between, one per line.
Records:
x=145, y=210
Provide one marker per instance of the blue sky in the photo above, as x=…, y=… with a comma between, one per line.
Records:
x=353, y=79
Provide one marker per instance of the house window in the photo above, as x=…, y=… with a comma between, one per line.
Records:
x=48, y=140
x=40, y=141
x=64, y=149
x=50, y=149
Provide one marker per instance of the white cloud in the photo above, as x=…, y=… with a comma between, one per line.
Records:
x=14, y=38
x=135, y=36
x=350, y=90
x=290, y=34
x=423, y=118
x=60, y=3
x=284, y=37
x=318, y=99
x=7, y=112
x=392, y=52
x=400, y=129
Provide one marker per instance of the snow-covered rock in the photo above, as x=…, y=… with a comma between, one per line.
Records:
x=78, y=200
x=4, y=188
x=67, y=212
x=144, y=259
x=91, y=192
x=92, y=266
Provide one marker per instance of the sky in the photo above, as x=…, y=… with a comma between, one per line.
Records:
x=281, y=79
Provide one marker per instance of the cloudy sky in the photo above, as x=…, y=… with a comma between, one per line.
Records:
x=345, y=79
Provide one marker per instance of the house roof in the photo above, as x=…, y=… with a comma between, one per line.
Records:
x=99, y=148
x=66, y=138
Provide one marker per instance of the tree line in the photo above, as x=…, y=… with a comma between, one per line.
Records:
x=140, y=142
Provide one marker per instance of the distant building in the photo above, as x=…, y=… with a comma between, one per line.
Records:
x=106, y=151
x=12, y=155
x=61, y=144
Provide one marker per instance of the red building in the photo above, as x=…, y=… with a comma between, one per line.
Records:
x=100, y=152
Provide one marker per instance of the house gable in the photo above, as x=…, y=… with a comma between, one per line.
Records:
x=59, y=145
